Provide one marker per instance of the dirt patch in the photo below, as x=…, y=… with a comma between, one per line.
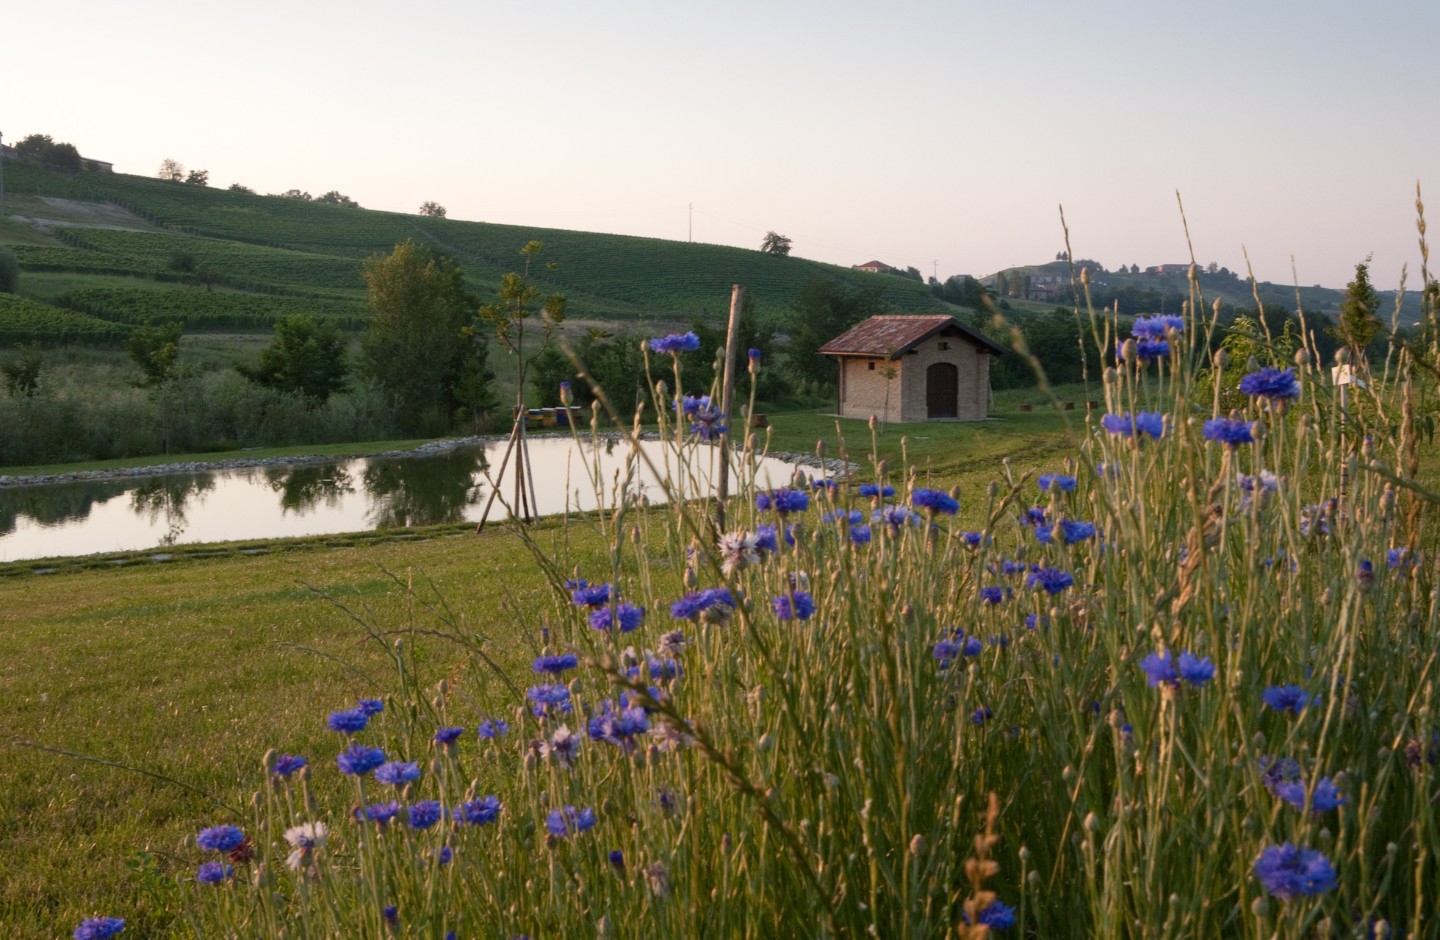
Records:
x=47, y=213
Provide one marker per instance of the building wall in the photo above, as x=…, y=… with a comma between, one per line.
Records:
x=862, y=390
x=974, y=379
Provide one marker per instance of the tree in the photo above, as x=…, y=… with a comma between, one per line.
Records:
x=515, y=308
x=41, y=150
x=208, y=277
x=198, y=178
x=241, y=188
x=306, y=357
x=181, y=261
x=22, y=374
x=172, y=170
x=9, y=272
x=421, y=347
x=336, y=198
x=433, y=209
x=156, y=350
x=1359, y=312
x=296, y=194
x=823, y=311
x=775, y=244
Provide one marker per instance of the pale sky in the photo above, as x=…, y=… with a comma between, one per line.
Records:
x=944, y=135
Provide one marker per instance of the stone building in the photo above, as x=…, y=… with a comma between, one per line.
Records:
x=913, y=368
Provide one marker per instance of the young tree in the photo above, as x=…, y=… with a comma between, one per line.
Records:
x=22, y=374
x=1359, y=312
x=9, y=271
x=433, y=209
x=172, y=170
x=515, y=308
x=775, y=244
x=823, y=311
x=305, y=356
x=421, y=347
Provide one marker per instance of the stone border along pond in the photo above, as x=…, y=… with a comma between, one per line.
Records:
x=429, y=449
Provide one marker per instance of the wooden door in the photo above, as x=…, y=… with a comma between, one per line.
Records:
x=942, y=390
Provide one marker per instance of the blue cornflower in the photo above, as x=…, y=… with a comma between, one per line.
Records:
x=492, y=728
x=997, y=916
x=1141, y=424
x=546, y=695
x=99, y=928
x=860, y=534
x=1043, y=535
x=1288, y=698
x=981, y=715
x=1195, y=669
x=1399, y=558
x=1271, y=383
x=692, y=406
x=1276, y=772
x=350, y=721
x=617, y=724
x=754, y=355
x=675, y=343
x=1035, y=516
x=287, y=764
x=1072, y=531
x=617, y=860
x=444, y=855
x=628, y=616
x=555, y=664
x=1056, y=481
x=562, y=823
x=1228, y=431
x=379, y=813
x=936, y=501
x=1012, y=566
x=972, y=646
x=1053, y=580
x=850, y=517
x=425, y=814
x=397, y=773
x=992, y=594
x=767, y=539
x=212, y=873
x=1149, y=349
x=360, y=759
x=478, y=812
x=450, y=735
x=802, y=607
x=587, y=595
x=945, y=652
x=784, y=502
x=824, y=484
x=895, y=517
x=973, y=539
x=390, y=912
x=371, y=706
x=873, y=490
x=693, y=605
x=220, y=839
x=1325, y=798
x=1288, y=871
x=1157, y=326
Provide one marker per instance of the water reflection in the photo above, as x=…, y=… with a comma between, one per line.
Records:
x=165, y=498
x=50, y=506
x=305, y=487
x=423, y=491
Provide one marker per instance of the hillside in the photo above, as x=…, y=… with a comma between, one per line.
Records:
x=127, y=250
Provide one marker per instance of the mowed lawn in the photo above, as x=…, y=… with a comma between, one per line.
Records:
x=191, y=670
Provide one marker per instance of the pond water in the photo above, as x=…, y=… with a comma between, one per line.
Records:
x=141, y=513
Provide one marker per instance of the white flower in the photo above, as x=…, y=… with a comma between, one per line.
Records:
x=738, y=550
x=307, y=835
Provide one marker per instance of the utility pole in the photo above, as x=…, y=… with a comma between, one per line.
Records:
x=690, y=237
x=935, y=270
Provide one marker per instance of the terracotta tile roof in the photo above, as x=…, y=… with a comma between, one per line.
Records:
x=895, y=335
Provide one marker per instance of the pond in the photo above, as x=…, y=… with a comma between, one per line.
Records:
x=140, y=513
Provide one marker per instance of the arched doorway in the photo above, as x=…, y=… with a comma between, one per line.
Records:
x=942, y=390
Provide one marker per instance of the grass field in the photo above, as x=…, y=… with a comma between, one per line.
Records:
x=199, y=660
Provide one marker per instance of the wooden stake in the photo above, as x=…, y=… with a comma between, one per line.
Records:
x=727, y=386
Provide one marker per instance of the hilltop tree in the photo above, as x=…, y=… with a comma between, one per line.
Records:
x=296, y=194
x=775, y=244
x=306, y=357
x=241, y=188
x=1359, y=312
x=433, y=209
x=198, y=178
x=42, y=150
x=421, y=347
x=336, y=198
x=172, y=170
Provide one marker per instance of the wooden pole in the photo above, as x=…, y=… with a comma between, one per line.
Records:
x=727, y=387
x=495, y=490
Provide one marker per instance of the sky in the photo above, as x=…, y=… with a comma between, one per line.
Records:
x=948, y=136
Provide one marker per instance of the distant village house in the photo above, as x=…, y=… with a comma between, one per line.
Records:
x=913, y=368
x=875, y=267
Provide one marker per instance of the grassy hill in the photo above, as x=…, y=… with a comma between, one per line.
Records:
x=103, y=246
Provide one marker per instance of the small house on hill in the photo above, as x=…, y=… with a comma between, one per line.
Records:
x=913, y=368
x=875, y=267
